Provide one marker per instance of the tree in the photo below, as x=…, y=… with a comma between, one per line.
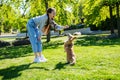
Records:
x=15, y=13
x=118, y=18
x=7, y=16
x=94, y=14
x=112, y=4
x=46, y=6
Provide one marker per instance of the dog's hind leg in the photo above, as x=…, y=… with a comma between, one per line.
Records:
x=73, y=59
x=68, y=58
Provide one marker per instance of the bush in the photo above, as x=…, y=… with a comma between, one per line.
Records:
x=104, y=25
x=93, y=27
x=20, y=42
x=4, y=43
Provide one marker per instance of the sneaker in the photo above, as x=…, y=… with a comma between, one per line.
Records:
x=43, y=59
x=37, y=60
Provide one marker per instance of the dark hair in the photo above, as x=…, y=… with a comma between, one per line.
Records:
x=47, y=27
x=49, y=10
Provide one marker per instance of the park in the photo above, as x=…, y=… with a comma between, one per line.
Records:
x=95, y=23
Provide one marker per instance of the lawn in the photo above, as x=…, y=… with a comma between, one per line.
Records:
x=97, y=59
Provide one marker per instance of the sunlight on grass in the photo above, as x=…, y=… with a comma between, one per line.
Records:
x=97, y=59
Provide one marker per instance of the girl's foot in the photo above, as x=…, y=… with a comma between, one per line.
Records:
x=37, y=60
x=42, y=58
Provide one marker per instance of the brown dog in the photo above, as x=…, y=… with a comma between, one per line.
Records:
x=68, y=46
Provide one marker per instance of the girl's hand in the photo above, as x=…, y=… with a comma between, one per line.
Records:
x=39, y=38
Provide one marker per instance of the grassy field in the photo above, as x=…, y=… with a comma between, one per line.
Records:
x=97, y=59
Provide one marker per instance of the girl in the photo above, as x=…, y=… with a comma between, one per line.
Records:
x=38, y=25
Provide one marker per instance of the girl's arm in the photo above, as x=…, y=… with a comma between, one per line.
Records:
x=58, y=27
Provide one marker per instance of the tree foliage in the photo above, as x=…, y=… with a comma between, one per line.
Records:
x=14, y=14
x=98, y=11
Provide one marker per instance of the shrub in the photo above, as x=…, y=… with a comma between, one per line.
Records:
x=21, y=42
x=4, y=43
x=104, y=25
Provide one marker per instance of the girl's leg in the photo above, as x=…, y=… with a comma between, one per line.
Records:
x=34, y=48
x=36, y=59
x=41, y=56
x=33, y=41
x=39, y=48
x=35, y=55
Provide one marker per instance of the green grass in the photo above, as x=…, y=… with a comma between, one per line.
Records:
x=97, y=59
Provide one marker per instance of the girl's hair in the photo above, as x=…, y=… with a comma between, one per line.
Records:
x=47, y=26
x=49, y=10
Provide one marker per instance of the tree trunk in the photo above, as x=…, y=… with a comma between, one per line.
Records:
x=48, y=35
x=0, y=31
x=111, y=19
x=118, y=19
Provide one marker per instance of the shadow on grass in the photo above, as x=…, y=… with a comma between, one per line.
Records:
x=15, y=51
x=96, y=41
x=25, y=50
x=60, y=66
x=14, y=71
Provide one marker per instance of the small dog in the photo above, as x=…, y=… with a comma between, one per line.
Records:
x=68, y=47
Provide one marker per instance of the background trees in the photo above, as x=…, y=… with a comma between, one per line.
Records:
x=101, y=14
x=15, y=13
